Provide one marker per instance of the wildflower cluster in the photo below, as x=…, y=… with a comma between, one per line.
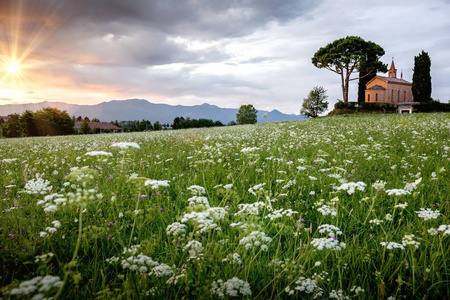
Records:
x=428, y=214
x=351, y=187
x=37, y=284
x=230, y=288
x=37, y=186
x=331, y=242
x=305, y=285
x=256, y=239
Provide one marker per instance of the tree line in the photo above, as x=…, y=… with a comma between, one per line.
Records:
x=51, y=121
x=47, y=121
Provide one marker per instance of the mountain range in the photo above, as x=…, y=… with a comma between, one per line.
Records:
x=139, y=109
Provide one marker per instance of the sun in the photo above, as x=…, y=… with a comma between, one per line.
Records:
x=13, y=68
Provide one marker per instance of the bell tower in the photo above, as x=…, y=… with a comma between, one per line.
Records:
x=392, y=73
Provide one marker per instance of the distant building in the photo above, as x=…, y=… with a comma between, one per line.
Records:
x=389, y=89
x=100, y=126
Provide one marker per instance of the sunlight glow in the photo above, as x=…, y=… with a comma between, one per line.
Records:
x=13, y=68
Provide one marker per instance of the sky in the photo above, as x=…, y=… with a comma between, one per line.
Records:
x=222, y=52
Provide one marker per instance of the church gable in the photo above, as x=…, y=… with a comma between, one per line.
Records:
x=377, y=87
x=377, y=80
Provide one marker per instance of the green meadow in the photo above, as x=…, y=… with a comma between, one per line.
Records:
x=343, y=207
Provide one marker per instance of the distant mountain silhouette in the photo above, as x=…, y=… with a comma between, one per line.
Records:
x=138, y=109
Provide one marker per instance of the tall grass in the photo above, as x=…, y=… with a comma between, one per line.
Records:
x=343, y=207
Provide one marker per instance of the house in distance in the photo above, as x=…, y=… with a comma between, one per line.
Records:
x=99, y=127
x=391, y=89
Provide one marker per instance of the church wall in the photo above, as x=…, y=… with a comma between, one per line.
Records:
x=375, y=96
x=397, y=93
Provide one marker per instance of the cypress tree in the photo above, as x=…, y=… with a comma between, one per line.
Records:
x=421, y=85
x=364, y=77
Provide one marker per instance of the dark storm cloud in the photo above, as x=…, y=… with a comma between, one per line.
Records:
x=205, y=18
x=137, y=30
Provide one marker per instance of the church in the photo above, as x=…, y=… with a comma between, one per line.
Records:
x=389, y=89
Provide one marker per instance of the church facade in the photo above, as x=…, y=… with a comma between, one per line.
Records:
x=389, y=89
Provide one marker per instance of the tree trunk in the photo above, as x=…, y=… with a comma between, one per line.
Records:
x=344, y=89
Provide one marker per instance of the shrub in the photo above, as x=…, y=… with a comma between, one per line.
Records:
x=433, y=106
x=370, y=106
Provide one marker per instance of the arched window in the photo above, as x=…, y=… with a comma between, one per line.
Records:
x=392, y=96
x=404, y=96
x=376, y=97
x=398, y=96
x=368, y=97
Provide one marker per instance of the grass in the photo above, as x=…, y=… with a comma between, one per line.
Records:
x=113, y=239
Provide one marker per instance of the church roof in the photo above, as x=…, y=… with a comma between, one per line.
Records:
x=395, y=80
x=376, y=87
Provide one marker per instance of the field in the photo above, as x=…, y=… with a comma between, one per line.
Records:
x=342, y=207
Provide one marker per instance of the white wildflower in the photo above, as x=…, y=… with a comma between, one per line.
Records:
x=38, y=186
x=376, y=221
x=256, y=239
x=280, y=213
x=351, y=187
x=401, y=205
x=327, y=243
x=230, y=288
x=156, y=184
x=444, y=228
x=326, y=210
x=98, y=153
x=392, y=245
x=205, y=227
x=305, y=285
x=331, y=230
x=250, y=149
x=433, y=231
x=233, y=259
x=357, y=289
x=176, y=229
x=257, y=189
x=379, y=185
x=337, y=295
x=195, y=249
x=410, y=239
x=412, y=186
x=126, y=145
x=198, y=200
x=197, y=190
x=39, y=283
x=397, y=192
x=161, y=270
x=428, y=214
x=289, y=184
x=250, y=208
x=51, y=229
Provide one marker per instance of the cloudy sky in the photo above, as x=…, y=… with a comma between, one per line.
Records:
x=222, y=52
